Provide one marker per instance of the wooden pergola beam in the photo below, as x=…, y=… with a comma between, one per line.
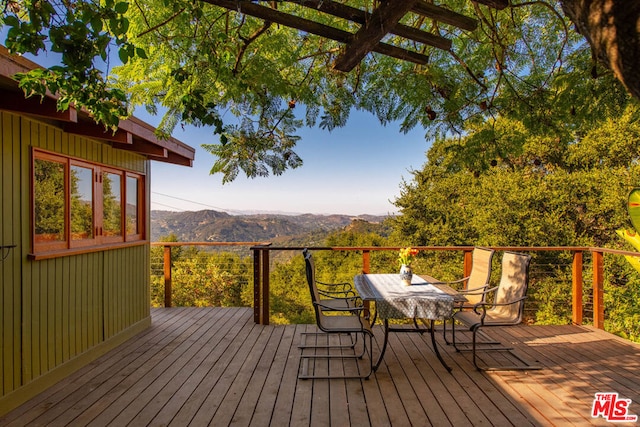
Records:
x=383, y=20
x=361, y=17
x=496, y=4
x=445, y=16
x=275, y=16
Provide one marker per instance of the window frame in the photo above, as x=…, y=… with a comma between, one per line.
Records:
x=140, y=208
x=93, y=241
x=99, y=241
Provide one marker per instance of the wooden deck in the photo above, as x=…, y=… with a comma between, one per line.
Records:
x=214, y=366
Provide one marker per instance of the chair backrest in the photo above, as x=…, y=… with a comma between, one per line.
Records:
x=310, y=269
x=513, y=285
x=480, y=273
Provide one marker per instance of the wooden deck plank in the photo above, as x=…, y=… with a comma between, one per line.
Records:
x=74, y=395
x=474, y=392
x=244, y=383
x=192, y=378
x=170, y=395
x=558, y=387
x=536, y=397
x=215, y=366
x=123, y=399
x=285, y=382
x=212, y=390
x=275, y=381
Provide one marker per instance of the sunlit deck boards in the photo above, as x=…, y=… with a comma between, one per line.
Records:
x=214, y=366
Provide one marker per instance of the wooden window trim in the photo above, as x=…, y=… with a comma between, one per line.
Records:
x=94, y=241
x=121, y=174
x=140, y=207
x=43, y=245
x=99, y=242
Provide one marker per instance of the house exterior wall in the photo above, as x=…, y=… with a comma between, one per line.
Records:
x=58, y=314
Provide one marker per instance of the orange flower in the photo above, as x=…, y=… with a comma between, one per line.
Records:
x=406, y=255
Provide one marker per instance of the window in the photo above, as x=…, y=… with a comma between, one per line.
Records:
x=133, y=207
x=49, y=191
x=112, y=205
x=79, y=204
x=82, y=204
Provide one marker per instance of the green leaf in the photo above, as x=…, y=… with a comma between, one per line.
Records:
x=96, y=24
x=123, y=54
x=121, y=7
x=11, y=21
x=141, y=53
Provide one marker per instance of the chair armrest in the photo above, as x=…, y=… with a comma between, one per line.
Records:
x=483, y=306
x=481, y=289
x=450, y=282
x=345, y=285
x=337, y=294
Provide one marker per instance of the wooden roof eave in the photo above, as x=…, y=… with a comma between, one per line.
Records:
x=44, y=107
x=132, y=134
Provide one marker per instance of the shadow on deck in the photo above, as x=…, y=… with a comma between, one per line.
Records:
x=214, y=366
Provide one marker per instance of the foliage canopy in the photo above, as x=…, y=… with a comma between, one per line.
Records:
x=196, y=63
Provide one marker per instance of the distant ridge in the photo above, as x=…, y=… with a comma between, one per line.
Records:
x=215, y=226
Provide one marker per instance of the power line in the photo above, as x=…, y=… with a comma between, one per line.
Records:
x=167, y=206
x=191, y=201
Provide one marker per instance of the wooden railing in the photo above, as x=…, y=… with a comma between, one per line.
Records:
x=167, y=264
x=261, y=270
x=261, y=273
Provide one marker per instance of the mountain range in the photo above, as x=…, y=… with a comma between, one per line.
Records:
x=215, y=226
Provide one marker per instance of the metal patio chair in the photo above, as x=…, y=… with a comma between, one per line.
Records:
x=506, y=310
x=332, y=320
x=475, y=284
x=334, y=296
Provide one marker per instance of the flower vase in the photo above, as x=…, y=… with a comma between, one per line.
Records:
x=405, y=274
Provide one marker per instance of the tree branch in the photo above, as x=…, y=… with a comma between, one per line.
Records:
x=247, y=42
x=161, y=24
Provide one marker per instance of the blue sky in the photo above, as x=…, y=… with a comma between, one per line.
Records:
x=353, y=170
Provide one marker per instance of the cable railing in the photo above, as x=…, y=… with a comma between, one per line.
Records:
x=578, y=271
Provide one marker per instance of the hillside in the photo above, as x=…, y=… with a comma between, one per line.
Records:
x=214, y=226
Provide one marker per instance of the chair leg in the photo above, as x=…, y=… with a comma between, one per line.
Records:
x=304, y=370
x=525, y=365
x=444, y=330
x=303, y=340
x=453, y=342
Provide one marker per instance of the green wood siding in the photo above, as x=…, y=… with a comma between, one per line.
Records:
x=10, y=225
x=54, y=310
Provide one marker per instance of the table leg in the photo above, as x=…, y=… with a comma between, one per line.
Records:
x=435, y=346
x=384, y=345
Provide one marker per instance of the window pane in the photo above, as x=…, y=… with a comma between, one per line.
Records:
x=48, y=200
x=111, y=204
x=81, y=203
x=132, y=205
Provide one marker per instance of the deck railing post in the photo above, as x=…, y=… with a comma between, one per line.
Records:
x=366, y=261
x=467, y=265
x=576, y=287
x=264, y=318
x=598, y=289
x=167, y=276
x=257, y=285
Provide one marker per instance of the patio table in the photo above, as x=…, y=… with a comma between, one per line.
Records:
x=396, y=300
